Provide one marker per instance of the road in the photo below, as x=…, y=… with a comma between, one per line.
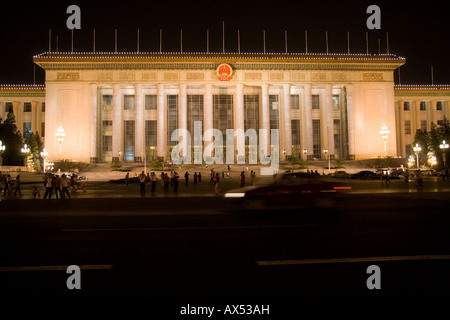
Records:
x=190, y=249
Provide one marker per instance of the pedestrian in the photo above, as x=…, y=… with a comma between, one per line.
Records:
x=17, y=186
x=419, y=179
x=186, y=178
x=242, y=179
x=127, y=178
x=142, y=183
x=176, y=178
x=48, y=186
x=253, y=177
x=195, y=177
x=172, y=176
x=211, y=180
x=57, y=184
x=446, y=174
x=8, y=187
x=166, y=183
x=153, y=182
x=65, y=183
x=217, y=183
x=199, y=177
x=406, y=175
x=162, y=179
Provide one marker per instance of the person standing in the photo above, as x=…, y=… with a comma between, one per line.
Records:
x=186, y=178
x=195, y=177
x=176, y=179
x=199, y=177
x=166, y=181
x=153, y=182
x=65, y=183
x=127, y=178
x=57, y=184
x=48, y=186
x=142, y=183
x=242, y=179
x=217, y=184
x=17, y=186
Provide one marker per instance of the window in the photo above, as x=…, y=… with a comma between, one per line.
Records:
x=107, y=144
x=150, y=102
x=26, y=129
x=223, y=112
x=315, y=102
x=8, y=107
x=128, y=102
x=251, y=112
x=423, y=125
x=128, y=140
x=295, y=101
x=27, y=107
x=107, y=102
x=42, y=129
x=43, y=107
x=172, y=118
x=273, y=112
x=107, y=123
x=337, y=136
x=407, y=127
x=336, y=102
x=295, y=131
x=408, y=149
x=423, y=106
x=150, y=133
x=406, y=106
x=439, y=106
x=316, y=138
x=194, y=112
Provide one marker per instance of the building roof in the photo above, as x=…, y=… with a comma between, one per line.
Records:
x=18, y=90
x=197, y=60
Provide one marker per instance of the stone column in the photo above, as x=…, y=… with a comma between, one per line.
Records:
x=18, y=115
x=265, y=116
x=401, y=130
x=94, y=99
x=34, y=117
x=208, y=111
x=160, y=135
x=240, y=118
x=433, y=112
x=182, y=117
x=287, y=119
x=330, y=120
x=350, y=123
x=417, y=117
x=308, y=121
x=117, y=125
x=139, y=148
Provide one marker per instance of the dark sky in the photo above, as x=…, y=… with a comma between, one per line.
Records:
x=420, y=33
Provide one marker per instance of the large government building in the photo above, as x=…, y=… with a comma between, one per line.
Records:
x=125, y=106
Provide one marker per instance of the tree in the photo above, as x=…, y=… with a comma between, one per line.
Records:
x=12, y=140
x=36, y=145
x=422, y=138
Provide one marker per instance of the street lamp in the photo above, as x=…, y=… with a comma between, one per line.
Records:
x=60, y=134
x=2, y=148
x=44, y=156
x=384, y=134
x=329, y=165
x=25, y=150
x=444, y=146
x=417, y=149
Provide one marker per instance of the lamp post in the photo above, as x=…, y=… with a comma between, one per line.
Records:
x=60, y=134
x=25, y=150
x=44, y=156
x=2, y=149
x=417, y=149
x=329, y=164
x=384, y=134
x=444, y=146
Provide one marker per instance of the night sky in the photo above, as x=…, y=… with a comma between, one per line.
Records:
x=420, y=33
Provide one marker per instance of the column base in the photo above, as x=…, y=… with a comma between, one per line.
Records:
x=94, y=160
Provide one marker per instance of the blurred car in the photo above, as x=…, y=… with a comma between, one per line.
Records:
x=366, y=174
x=293, y=191
x=341, y=174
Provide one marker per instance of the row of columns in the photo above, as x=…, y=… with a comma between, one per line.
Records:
x=36, y=116
x=327, y=132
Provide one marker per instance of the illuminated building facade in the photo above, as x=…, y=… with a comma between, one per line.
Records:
x=125, y=106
